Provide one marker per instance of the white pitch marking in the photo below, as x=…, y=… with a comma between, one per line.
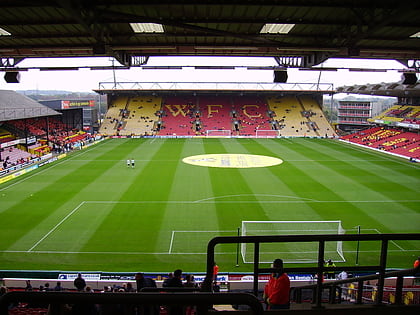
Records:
x=171, y=243
x=56, y=226
x=214, y=200
x=393, y=242
x=256, y=195
x=47, y=169
x=166, y=253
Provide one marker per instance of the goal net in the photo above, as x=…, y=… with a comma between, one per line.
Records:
x=295, y=252
x=267, y=133
x=218, y=133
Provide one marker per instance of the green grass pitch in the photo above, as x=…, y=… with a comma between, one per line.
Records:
x=90, y=212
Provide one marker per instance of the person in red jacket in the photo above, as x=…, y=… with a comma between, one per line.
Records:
x=417, y=263
x=277, y=289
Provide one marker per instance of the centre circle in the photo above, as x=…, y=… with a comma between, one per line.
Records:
x=232, y=160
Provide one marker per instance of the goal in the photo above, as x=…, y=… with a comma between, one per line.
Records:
x=219, y=133
x=267, y=133
x=296, y=252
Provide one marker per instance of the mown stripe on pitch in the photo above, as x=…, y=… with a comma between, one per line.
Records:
x=265, y=185
x=379, y=183
x=230, y=181
x=32, y=210
x=309, y=184
x=390, y=171
x=152, y=182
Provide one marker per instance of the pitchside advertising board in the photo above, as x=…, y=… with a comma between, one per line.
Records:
x=197, y=277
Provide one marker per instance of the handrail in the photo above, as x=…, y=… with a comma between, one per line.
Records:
x=200, y=299
x=320, y=269
x=399, y=274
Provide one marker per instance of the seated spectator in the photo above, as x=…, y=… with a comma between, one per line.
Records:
x=58, y=287
x=176, y=281
x=144, y=282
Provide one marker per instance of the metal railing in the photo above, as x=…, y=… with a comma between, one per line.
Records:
x=380, y=268
x=335, y=287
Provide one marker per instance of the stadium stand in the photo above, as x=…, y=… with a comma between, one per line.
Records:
x=288, y=111
x=195, y=115
x=176, y=116
x=407, y=114
x=32, y=126
x=113, y=116
x=316, y=116
x=141, y=115
x=14, y=156
x=216, y=112
x=5, y=136
x=252, y=114
x=392, y=140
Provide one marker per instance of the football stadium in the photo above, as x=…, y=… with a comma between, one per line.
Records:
x=218, y=180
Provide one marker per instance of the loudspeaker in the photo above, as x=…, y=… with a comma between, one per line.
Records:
x=280, y=76
x=409, y=78
x=12, y=77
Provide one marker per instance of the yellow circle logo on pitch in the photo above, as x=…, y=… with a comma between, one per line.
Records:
x=232, y=160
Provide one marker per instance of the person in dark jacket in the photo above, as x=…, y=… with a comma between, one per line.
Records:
x=144, y=282
x=176, y=280
x=79, y=282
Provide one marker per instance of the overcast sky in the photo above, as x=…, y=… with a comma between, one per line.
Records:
x=85, y=80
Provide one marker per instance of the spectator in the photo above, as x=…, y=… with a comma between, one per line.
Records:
x=129, y=287
x=165, y=282
x=175, y=281
x=330, y=264
x=417, y=263
x=215, y=272
x=277, y=289
x=190, y=282
x=3, y=290
x=144, y=282
x=47, y=287
x=58, y=287
x=342, y=275
x=28, y=286
x=79, y=282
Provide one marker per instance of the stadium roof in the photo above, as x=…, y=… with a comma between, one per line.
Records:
x=299, y=33
x=213, y=87
x=396, y=89
x=17, y=106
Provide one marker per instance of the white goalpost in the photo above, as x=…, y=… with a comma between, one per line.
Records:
x=267, y=133
x=219, y=133
x=296, y=252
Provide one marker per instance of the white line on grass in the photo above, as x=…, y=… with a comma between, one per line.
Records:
x=166, y=253
x=171, y=243
x=393, y=242
x=56, y=226
x=50, y=167
x=105, y=253
x=213, y=200
x=218, y=231
x=256, y=195
x=173, y=236
x=375, y=153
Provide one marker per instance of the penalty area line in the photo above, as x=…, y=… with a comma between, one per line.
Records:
x=393, y=242
x=55, y=227
x=171, y=243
